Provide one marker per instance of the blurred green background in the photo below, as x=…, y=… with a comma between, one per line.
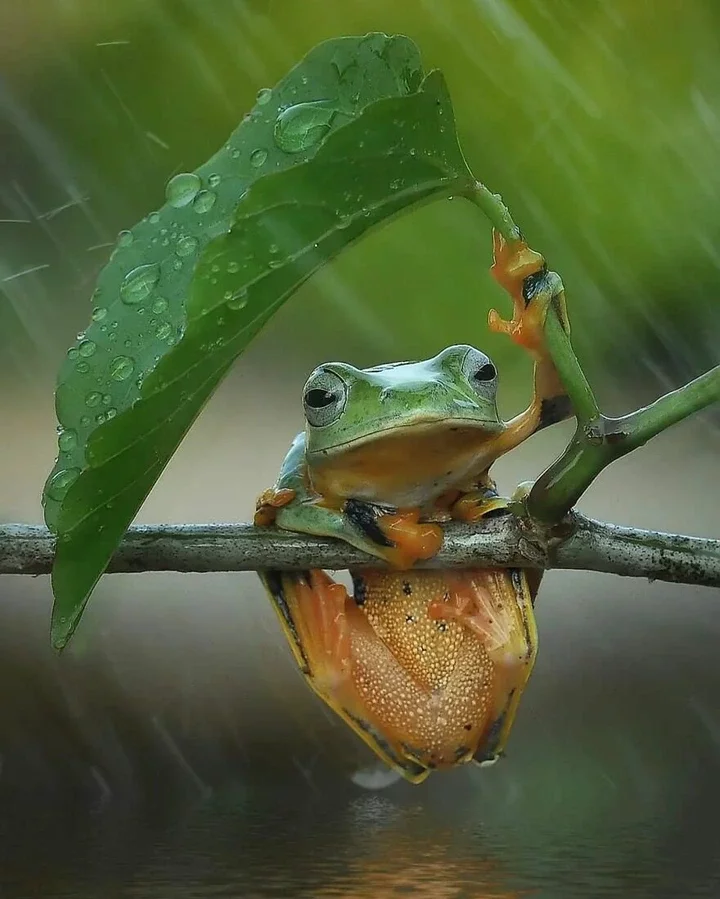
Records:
x=599, y=122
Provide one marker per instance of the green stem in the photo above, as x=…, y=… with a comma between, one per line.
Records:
x=559, y=487
x=598, y=440
x=639, y=427
x=494, y=208
x=557, y=341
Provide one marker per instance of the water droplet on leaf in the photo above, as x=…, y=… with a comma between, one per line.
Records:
x=98, y=313
x=160, y=305
x=125, y=238
x=67, y=440
x=186, y=245
x=139, y=283
x=61, y=482
x=87, y=347
x=121, y=368
x=238, y=300
x=233, y=267
x=181, y=189
x=264, y=95
x=93, y=398
x=304, y=125
x=258, y=157
x=82, y=367
x=214, y=180
x=204, y=201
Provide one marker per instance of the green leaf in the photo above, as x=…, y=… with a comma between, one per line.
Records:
x=352, y=136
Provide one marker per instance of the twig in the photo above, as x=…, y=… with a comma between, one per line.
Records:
x=501, y=543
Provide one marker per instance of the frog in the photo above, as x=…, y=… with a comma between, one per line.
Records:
x=427, y=665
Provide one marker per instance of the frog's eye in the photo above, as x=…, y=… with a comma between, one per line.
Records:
x=486, y=372
x=324, y=398
x=478, y=369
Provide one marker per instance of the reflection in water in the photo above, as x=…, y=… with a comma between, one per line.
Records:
x=461, y=840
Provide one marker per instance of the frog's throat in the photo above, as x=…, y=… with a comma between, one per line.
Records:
x=414, y=428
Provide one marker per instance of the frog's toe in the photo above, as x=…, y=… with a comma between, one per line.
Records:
x=478, y=504
x=398, y=537
x=269, y=502
x=412, y=539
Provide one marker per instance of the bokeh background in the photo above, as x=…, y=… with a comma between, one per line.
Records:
x=173, y=750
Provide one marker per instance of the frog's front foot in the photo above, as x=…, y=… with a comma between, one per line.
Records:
x=523, y=274
x=268, y=503
x=411, y=539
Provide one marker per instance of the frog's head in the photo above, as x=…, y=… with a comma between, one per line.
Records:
x=348, y=407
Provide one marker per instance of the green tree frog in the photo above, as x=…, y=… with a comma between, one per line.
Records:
x=427, y=666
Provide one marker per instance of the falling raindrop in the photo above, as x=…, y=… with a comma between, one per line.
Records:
x=181, y=189
x=139, y=283
x=121, y=368
x=304, y=125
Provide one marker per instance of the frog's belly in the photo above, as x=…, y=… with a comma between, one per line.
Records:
x=435, y=687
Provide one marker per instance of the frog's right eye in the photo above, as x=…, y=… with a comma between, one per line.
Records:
x=324, y=398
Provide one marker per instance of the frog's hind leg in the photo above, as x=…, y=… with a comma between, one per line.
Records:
x=318, y=618
x=497, y=607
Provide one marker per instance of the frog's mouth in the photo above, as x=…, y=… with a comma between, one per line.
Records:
x=456, y=429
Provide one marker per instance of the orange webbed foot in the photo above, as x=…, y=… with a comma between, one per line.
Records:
x=269, y=502
x=513, y=263
x=320, y=614
x=413, y=539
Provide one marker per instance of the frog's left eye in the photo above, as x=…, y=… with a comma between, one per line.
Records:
x=324, y=398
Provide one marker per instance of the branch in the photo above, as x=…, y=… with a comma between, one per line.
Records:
x=580, y=543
